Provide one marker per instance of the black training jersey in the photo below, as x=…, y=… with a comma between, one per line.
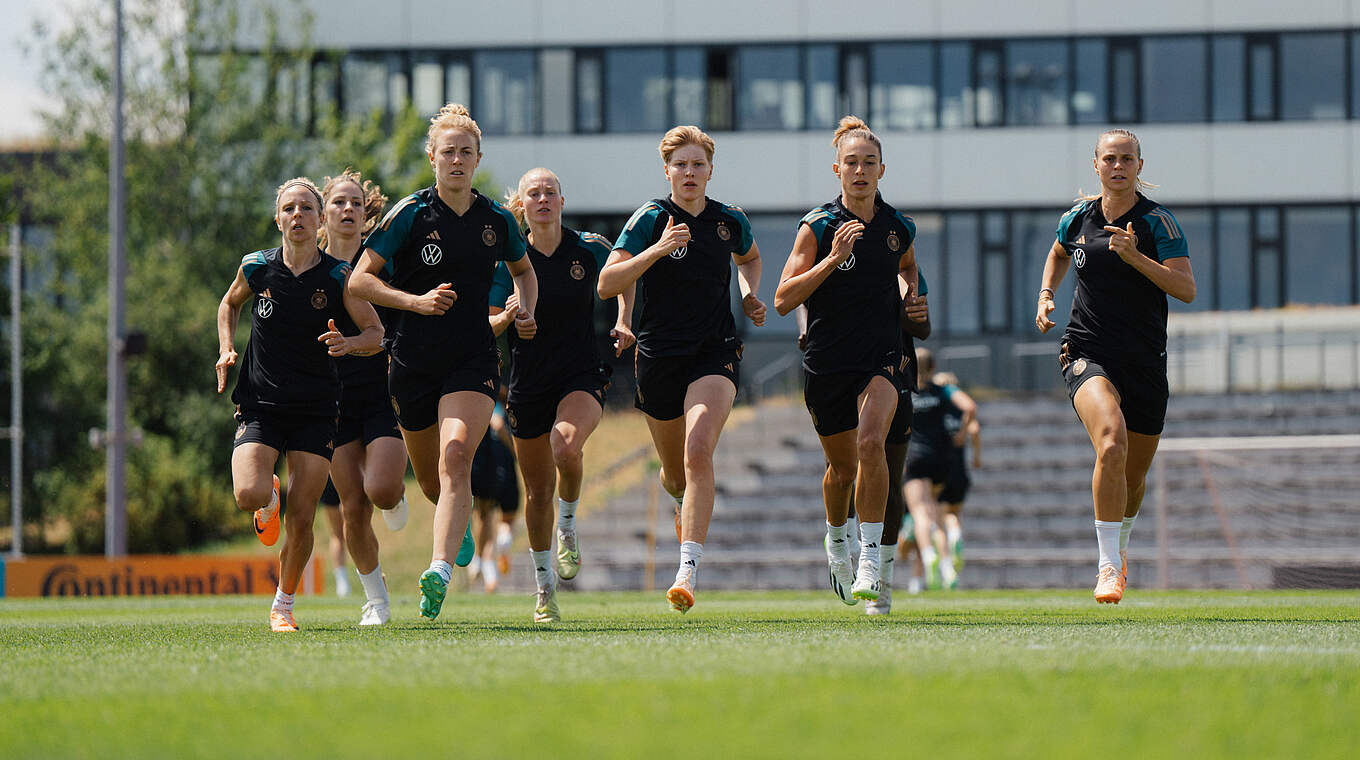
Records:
x=425, y=243
x=855, y=315
x=929, y=435
x=361, y=377
x=565, y=342
x=909, y=380
x=285, y=368
x=685, y=298
x=953, y=416
x=1117, y=313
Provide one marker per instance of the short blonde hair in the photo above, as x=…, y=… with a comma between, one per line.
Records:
x=374, y=201
x=514, y=199
x=300, y=182
x=679, y=137
x=452, y=116
x=854, y=126
x=925, y=361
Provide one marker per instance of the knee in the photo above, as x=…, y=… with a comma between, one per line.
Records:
x=841, y=474
x=698, y=458
x=566, y=450
x=251, y=498
x=429, y=486
x=1112, y=448
x=456, y=458
x=673, y=482
x=869, y=449
x=385, y=494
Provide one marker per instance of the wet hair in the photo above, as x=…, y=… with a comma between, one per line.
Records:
x=299, y=182
x=452, y=116
x=925, y=361
x=679, y=137
x=1138, y=151
x=374, y=201
x=854, y=126
x=514, y=199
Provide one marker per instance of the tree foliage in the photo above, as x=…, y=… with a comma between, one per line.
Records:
x=211, y=130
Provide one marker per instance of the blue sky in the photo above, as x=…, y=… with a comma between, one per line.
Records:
x=19, y=90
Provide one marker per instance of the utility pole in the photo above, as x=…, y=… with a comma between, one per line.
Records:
x=115, y=507
x=16, y=395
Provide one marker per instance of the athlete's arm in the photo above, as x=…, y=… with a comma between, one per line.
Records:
x=801, y=276
x=369, y=339
x=1173, y=276
x=800, y=316
x=907, y=276
x=623, y=326
x=623, y=268
x=968, y=406
x=917, y=323
x=1055, y=267
x=748, y=281
x=526, y=287
x=228, y=315
x=365, y=283
x=502, y=318
x=975, y=441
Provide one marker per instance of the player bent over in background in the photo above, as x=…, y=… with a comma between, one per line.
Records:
x=557, y=380
x=287, y=394
x=852, y=262
x=677, y=250
x=1130, y=254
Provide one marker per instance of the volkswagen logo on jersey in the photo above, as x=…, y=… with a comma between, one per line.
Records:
x=848, y=264
x=264, y=307
x=1079, y=256
x=431, y=254
x=578, y=272
x=679, y=253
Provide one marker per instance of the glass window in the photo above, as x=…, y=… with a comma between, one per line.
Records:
x=691, y=87
x=929, y=245
x=427, y=85
x=995, y=289
x=1355, y=74
x=1174, y=79
x=823, y=82
x=770, y=82
x=635, y=90
x=289, y=86
x=363, y=85
x=1230, y=53
x=1232, y=259
x=556, y=72
x=458, y=83
x=1031, y=237
x=1317, y=246
x=1123, y=81
x=1261, y=73
x=324, y=84
x=506, y=92
x=988, y=96
x=1267, y=258
x=956, y=93
x=398, y=83
x=1036, y=83
x=720, y=91
x=902, y=95
x=589, y=92
x=1197, y=226
x=855, y=93
x=961, y=275
x=774, y=232
x=1314, y=66
x=1088, y=94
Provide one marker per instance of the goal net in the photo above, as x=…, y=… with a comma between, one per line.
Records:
x=1254, y=512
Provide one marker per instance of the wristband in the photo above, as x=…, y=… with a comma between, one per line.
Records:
x=1049, y=291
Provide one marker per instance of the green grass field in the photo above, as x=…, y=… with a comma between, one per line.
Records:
x=970, y=674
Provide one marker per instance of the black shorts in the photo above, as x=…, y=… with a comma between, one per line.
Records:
x=928, y=464
x=899, y=432
x=1143, y=389
x=493, y=474
x=415, y=394
x=534, y=416
x=662, y=382
x=833, y=400
x=286, y=432
x=330, y=497
x=366, y=421
x=957, y=481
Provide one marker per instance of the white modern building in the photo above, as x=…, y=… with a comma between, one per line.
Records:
x=1246, y=110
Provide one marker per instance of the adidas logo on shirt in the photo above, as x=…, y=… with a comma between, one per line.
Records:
x=1081, y=240
x=433, y=235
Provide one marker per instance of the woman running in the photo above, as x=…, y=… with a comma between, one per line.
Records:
x=430, y=261
x=369, y=466
x=288, y=392
x=676, y=249
x=1130, y=254
x=852, y=263
x=957, y=482
x=557, y=380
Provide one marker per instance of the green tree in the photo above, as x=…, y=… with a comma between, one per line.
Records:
x=211, y=130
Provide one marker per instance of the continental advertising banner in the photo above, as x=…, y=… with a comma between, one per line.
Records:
x=148, y=575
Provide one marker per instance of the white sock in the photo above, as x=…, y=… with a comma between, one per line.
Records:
x=444, y=570
x=1107, y=537
x=543, y=568
x=282, y=601
x=690, y=554
x=840, y=548
x=341, y=581
x=566, y=515
x=852, y=534
x=929, y=556
x=870, y=536
x=374, y=586
x=505, y=536
x=887, y=554
x=1125, y=529
x=952, y=534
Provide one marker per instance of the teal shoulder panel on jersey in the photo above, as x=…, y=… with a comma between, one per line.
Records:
x=1166, y=233
x=637, y=233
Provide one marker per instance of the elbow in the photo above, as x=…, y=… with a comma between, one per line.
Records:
x=1188, y=296
x=606, y=290
x=783, y=305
